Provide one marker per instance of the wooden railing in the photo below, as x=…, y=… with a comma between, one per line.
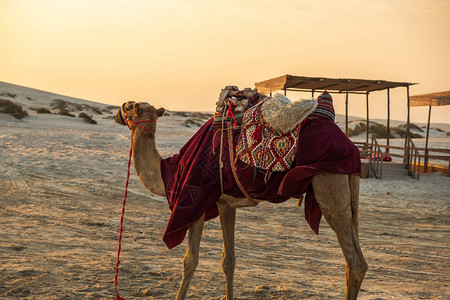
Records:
x=416, y=156
x=430, y=156
x=413, y=164
x=364, y=149
x=433, y=154
x=376, y=159
x=439, y=154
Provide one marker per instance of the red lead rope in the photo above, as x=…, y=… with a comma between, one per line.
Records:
x=121, y=224
x=123, y=205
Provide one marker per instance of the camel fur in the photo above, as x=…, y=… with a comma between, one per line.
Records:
x=336, y=194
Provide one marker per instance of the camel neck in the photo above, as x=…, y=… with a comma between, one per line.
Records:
x=147, y=162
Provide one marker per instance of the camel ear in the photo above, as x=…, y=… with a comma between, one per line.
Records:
x=137, y=110
x=160, y=112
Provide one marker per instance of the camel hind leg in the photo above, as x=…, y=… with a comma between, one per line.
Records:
x=337, y=197
x=354, y=194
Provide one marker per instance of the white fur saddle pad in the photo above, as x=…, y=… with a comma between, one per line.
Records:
x=283, y=115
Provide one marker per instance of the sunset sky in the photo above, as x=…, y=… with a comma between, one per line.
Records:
x=179, y=54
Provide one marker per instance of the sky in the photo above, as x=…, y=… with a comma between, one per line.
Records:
x=179, y=54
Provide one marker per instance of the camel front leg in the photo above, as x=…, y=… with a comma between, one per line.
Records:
x=190, y=261
x=227, y=222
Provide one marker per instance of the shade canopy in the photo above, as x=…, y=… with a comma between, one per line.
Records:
x=301, y=83
x=431, y=99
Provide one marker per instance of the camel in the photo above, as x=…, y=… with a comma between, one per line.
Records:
x=336, y=194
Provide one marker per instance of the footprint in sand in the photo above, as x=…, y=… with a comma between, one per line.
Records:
x=12, y=187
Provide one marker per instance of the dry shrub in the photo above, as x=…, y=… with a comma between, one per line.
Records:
x=65, y=112
x=87, y=118
x=12, y=109
x=42, y=110
x=189, y=122
x=380, y=131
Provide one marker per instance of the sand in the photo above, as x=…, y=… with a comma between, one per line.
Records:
x=61, y=192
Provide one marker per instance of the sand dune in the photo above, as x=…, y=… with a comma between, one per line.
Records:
x=61, y=189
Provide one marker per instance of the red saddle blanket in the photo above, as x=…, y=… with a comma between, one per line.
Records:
x=191, y=177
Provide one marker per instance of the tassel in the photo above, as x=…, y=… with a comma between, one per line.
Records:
x=257, y=134
x=267, y=176
x=230, y=114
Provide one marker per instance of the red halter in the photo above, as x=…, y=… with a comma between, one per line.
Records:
x=123, y=119
x=132, y=122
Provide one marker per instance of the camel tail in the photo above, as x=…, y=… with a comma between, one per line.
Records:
x=354, y=194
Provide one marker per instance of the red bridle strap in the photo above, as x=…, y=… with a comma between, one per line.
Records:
x=135, y=123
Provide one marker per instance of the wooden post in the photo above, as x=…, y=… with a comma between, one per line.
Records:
x=285, y=92
x=448, y=169
x=312, y=93
x=367, y=118
x=407, y=154
x=388, y=129
x=346, y=112
x=425, y=163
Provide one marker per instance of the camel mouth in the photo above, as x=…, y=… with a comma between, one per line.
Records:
x=120, y=116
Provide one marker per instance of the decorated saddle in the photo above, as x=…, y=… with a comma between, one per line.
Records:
x=268, y=140
x=192, y=177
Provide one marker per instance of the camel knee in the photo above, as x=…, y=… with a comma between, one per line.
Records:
x=228, y=263
x=356, y=262
x=359, y=270
x=189, y=264
x=356, y=271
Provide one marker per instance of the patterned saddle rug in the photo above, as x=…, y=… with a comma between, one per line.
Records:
x=272, y=147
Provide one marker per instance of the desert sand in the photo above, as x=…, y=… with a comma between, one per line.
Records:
x=61, y=191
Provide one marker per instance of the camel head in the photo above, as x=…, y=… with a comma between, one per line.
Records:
x=131, y=113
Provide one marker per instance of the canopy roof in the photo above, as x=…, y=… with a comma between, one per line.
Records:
x=301, y=83
x=431, y=99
